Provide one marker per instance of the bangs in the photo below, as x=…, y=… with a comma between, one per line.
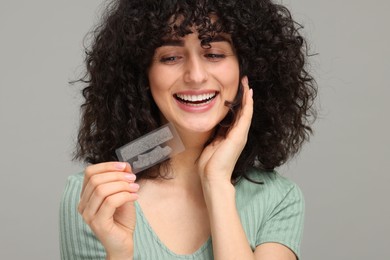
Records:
x=194, y=16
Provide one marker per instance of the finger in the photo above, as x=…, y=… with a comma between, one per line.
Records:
x=105, y=167
x=102, y=168
x=243, y=122
x=99, y=179
x=112, y=203
x=104, y=191
x=247, y=99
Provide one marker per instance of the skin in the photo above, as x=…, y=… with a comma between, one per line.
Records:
x=199, y=200
x=185, y=67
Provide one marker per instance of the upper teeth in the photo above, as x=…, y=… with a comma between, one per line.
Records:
x=196, y=97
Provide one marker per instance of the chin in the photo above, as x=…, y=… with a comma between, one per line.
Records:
x=197, y=127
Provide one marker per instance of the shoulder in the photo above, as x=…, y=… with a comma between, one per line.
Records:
x=76, y=239
x=76, y=179
x=71, y=194
x=71, y=198
x=273, y=186
x=272, y=211
x=72, y=189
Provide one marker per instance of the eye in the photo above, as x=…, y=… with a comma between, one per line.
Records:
x=215, y=56
x=170, y=59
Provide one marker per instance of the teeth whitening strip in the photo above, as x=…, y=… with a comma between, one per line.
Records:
x=151, y=149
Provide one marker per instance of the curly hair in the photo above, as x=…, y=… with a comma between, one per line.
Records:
x=118, y=104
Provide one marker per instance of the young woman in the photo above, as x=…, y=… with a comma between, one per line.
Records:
x=230, y=76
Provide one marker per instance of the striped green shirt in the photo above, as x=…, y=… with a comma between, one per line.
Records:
x=269, y=212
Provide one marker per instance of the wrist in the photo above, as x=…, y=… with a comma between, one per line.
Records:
x=217, y=190
x=110, y=257
x=216, y=178
x=120, y=256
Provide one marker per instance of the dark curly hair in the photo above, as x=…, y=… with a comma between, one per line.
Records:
x=119, y=107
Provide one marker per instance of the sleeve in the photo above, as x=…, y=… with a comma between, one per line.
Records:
x=284, y=224
x=77, y=242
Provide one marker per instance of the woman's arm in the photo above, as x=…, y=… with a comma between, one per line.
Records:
x=216, y=166
x=229, y=238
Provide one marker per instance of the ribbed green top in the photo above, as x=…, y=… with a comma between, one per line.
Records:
x=271, y=212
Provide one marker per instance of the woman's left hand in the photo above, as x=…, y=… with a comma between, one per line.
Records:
x=217, y=161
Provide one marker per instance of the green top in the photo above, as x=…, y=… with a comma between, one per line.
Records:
x=269, y=212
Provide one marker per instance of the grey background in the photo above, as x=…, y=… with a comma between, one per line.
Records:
x=343, y=171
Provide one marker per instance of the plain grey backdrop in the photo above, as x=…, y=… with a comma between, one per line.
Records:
x=344, y=171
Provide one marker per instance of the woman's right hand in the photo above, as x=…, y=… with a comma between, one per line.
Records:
x=107, y=206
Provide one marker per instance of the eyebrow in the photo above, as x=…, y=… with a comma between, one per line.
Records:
x=173, y=42
x=180, y=42
x=220, y=38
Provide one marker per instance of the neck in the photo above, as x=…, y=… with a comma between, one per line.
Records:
x=184, y=164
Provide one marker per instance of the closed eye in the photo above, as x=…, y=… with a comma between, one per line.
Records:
x=214, y=56
x=170, y=59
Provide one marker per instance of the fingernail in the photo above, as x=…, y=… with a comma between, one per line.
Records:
x=251, y=92
x=245, y=80
x=130, y=177
x=120, y=166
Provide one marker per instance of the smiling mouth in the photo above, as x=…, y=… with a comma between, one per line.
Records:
x=195, y=100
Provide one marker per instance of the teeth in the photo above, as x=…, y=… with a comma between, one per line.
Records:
x=198, y=104
x=194, y=98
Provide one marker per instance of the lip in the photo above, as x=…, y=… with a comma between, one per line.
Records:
x=198, y=108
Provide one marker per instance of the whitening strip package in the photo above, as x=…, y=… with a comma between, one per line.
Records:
x=151, y=149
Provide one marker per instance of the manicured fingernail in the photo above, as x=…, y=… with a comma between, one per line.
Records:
x=251, y=92
x=130, y=177
x=245, y=80
x=120, y=165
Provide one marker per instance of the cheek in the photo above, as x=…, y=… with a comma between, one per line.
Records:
x=156, y=83
x=230, y=80
x=160, y=78
x=159, y=96
x=160, y=89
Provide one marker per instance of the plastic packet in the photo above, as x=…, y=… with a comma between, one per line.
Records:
x=151, y=149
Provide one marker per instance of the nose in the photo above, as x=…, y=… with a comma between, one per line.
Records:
x=195, y=71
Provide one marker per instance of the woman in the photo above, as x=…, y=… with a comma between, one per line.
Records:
x=230, y=77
